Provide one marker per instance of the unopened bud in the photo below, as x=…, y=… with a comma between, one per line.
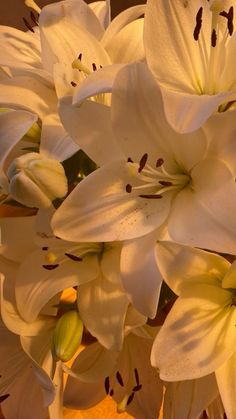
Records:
x=67, y=336
x=36, y=181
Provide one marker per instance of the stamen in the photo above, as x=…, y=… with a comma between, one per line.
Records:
x=50, y=267
x=27, y=24
x=137, y=388
x=33, y=5
x=198, y=26
x=119, y=379
x=94, y=67
x=165, y=183
x=136, y=376
x=230, y=17
x=149, y=196
x=107, y=385
x=128, y=188
x=45, y=248
x=143, y=162
x=159, y=162
x=130, y=399
x=111, y=392
x=130, y=160
x=4, y=397
x=73, y=257
x=33, y=18
x=80, y=56
x=213, y=38
x=73, y=83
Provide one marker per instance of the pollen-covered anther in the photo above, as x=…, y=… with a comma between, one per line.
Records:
x=50, y=267
x=198, y=26
x=142, y=162
x=119, y=379
x=28, y=25
x=73, y=257
x=230, y=19
x=107, y=385
x=128, y=188
x=151, y=196
x=159, y=162
x=213, y=38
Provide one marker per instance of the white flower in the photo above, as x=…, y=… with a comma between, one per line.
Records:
x=173, y=179
x=199, y=334
x=190, y=47
x=127, y=376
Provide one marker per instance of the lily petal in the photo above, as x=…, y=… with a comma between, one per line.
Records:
x=32, y=293
x=106, y=300
x=182, y=266
x=13, y=126
x=97, y=141
x=140, y=275
x=225, y=376
x=189, y=398
x=198, y=217
x=108, y=212
x=198, y=335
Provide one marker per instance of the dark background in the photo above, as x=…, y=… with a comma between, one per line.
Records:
x=12, y=11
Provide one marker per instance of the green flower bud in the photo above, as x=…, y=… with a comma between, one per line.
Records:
x=67, y=336
x=36, y=181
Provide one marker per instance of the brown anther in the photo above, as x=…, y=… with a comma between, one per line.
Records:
x=142, y=162
x=119, y=379
x=44, y=248
x=94, y=67
x=136, y=376
x=4, y=397
x=130, y=399
x=213, y=38
x=137, y=388
x=73, y=257
x=151, y=196
x=165, y=183
x=159, y=162
x=80, y=56
x=33, y=18
x=107, y=385
x=73, y=83
x=230, y=19
x=130, y=160
x=27, y=24
x=128, y=188
x=111, y=392
x=198, y=26
x=50, y=267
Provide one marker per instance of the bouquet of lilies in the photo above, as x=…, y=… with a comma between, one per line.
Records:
x=118, y=190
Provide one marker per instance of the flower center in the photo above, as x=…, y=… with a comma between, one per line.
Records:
x=131, y=388
x=84, y=72
x=213, y=51
x=55, y=256
x=154, y=181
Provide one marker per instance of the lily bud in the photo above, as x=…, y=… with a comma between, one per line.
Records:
x=67, y=336
x=36, y=181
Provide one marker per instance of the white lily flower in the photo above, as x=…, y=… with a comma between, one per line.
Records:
x=190, y=48
x=173, y=179
x=19, y=378
x=41, y=62
x=199, y=335
x=127, y=376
